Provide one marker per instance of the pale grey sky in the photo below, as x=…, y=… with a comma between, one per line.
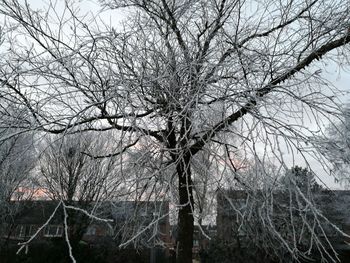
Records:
x=339, y=77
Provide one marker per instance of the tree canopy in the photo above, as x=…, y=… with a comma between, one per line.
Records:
x=176, y=78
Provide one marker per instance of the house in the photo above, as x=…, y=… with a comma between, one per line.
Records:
x=28, y=216
x=142, y=224
x=246, y=218
x=149, y=221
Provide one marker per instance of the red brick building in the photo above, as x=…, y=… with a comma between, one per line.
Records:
x=145, y=223
x=237, y=212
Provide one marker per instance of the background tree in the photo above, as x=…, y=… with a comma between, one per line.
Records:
x=70, y=174
x=17, y=160
x=302, y=178
x=336, y=144
x=176, y=76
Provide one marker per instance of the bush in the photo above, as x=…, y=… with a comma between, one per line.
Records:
x=223, y=252
x=56, y=251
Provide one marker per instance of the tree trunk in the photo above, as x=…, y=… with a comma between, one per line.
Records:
x=185, y=214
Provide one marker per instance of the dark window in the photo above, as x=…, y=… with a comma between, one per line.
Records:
x=53, y=231
x=91, y=231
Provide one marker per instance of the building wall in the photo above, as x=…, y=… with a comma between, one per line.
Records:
x=333, y=205
x=131, y=215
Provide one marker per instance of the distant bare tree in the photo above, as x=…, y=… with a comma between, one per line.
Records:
x=70, y=174
x=17, y=161
x=336, y=146
x=178, y=75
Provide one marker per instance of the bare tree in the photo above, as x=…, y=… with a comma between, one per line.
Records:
x=336, y=144
x=69, y=174
x=17, y=153
x=176, y=76
x=17, y=160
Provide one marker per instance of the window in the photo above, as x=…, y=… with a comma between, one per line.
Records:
x=242, y=232
x=91, y=231
x=23, y=231
x=143, y=213
x=53, y=231
x=156, y=214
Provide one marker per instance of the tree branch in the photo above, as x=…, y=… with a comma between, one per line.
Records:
x=316, y=55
